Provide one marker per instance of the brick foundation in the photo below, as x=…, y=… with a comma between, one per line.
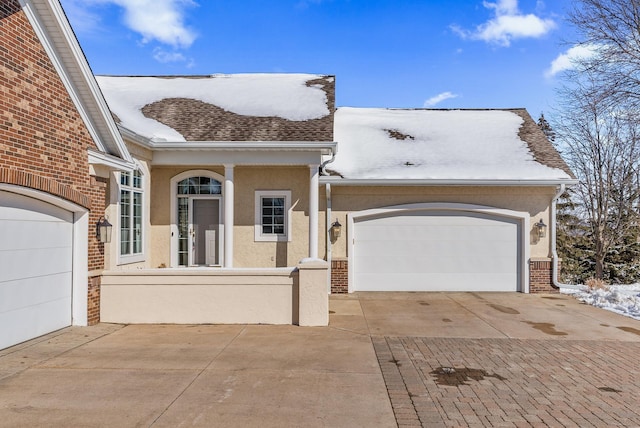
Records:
x=93, y=300
x=541, y=276
x=339, y=276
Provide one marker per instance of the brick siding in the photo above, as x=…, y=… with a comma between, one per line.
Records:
x=541, y=277
x=43, y=140
x=93, y=300
x=339, y=276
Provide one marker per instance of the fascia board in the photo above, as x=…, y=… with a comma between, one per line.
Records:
x=325, y=148
x=99, y=111
x=101, y=158
x=452, y=182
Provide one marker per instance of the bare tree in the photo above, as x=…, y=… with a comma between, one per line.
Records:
x=602, y=145
x=611, y=28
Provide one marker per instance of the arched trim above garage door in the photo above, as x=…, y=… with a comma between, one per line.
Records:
x=80, y=246
x=499, y=214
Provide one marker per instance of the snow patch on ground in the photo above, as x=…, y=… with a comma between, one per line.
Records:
x=622, y=299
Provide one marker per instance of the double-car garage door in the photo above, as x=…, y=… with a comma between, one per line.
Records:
x=436, y=250
x=36, y=250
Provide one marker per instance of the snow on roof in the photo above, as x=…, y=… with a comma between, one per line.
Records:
x=435, y=144
x=288, y=96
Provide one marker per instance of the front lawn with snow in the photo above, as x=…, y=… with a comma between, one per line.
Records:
x=622, y=299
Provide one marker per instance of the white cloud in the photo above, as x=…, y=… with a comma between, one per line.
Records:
x=433, y=101
x=508, y=24
x=163, y=56
x=159, y=20
x=567, y=60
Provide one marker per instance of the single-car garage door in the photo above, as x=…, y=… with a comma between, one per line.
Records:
x=36, y=241
x=428, y=250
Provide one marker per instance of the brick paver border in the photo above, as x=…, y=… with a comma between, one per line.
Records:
x=510, y=382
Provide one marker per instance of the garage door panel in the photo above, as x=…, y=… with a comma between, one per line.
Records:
x=36, y=268
x=436, y=282
x=436, y=250
x=32, y=321
x=39, y=262
x=51, y=233
x=26, y=292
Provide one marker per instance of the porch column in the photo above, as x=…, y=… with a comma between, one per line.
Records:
x=313, y=211
x=228, y=216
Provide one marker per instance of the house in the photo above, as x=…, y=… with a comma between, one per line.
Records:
x=58, y=146
x=247, y=198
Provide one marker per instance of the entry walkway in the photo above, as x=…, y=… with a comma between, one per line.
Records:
x=387, y=359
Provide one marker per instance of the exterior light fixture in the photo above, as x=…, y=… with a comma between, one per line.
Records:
x=542, y=229
x=103, y=230
x=336, y=229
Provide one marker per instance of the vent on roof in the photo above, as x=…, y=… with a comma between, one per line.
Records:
x=394, y=133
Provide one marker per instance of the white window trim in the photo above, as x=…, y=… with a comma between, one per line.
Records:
x=259, y=236
x=124, y=259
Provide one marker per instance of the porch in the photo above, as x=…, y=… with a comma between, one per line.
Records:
x=291, y=295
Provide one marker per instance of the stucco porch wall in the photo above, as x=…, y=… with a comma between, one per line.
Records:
x=291, y=295
x=200, y=296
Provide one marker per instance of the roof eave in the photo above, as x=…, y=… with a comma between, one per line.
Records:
x=48, y=19
x=447, y=182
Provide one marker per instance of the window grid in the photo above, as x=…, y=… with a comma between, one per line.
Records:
x=131, y=213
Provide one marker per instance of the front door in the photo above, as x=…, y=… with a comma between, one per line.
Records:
x=199, y=240
x=205, y=228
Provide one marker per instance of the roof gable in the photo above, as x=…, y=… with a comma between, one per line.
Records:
x=57, y=38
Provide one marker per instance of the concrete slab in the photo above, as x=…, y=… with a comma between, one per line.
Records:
x=238, y=375
x=55, y=397
x=281, y=398
x=168, y=347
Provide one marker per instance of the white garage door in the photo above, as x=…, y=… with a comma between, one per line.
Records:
x=35, y=268
x=436, y=251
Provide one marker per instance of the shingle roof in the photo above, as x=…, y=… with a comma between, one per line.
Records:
x=258, y=107
x=431, y=144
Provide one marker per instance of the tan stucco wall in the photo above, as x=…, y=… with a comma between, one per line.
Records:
x=345, y=199
x=247, y=180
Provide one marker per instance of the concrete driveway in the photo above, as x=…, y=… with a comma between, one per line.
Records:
x=387, y=359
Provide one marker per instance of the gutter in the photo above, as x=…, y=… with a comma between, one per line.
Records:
x=328, y=233
x=336, y=181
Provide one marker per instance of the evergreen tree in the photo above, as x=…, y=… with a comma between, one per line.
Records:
x=546, y=128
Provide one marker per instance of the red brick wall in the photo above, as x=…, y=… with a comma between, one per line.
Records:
x=43, y=140
x=541, y=277
x=93, y=300
x=339, y=276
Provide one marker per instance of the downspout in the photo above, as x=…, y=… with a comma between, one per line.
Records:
x=328, y=216
x=554, y=249
x=328, y=234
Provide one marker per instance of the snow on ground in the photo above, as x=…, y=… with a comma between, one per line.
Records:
x=434, y=144
x=282, y=95
x=622, y=299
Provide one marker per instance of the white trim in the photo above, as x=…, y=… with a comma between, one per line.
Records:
x=99, y=158
x=521, y=216
x=53, y=9
x=228, y=218
x=325, y=147
x=336, y=181
x=258, y=236
x=80, y=253
x=137, y=257
x=173, y=203
x=197, y=158
x=313, y=210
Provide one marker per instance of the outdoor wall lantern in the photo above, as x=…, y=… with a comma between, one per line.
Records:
x=103, y=230
x=336, y=229
x=542, y=229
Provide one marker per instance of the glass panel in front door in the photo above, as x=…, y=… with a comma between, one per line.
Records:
x=205, y=233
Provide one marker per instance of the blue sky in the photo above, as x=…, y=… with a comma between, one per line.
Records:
x=384, y=53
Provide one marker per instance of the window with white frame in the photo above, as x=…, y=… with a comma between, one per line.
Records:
x=131, y=203
x=273, y=215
